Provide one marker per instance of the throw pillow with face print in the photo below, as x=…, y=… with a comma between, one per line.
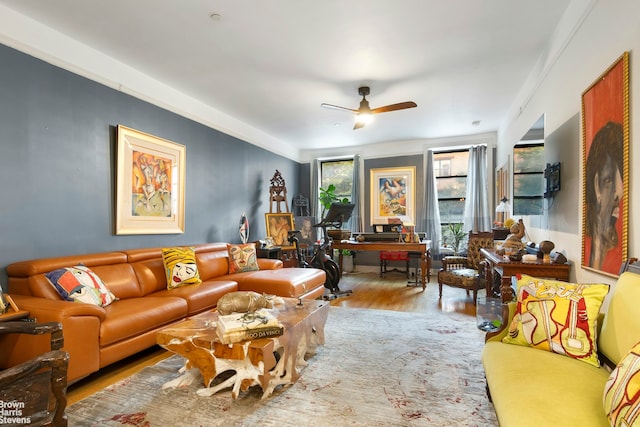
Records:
x=180, y=267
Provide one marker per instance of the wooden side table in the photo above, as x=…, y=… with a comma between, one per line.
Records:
x=271, y=253
x=505, y=269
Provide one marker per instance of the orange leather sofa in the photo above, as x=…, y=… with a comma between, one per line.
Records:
x=97, y=336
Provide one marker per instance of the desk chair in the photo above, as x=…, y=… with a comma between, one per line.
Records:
x=386, y=256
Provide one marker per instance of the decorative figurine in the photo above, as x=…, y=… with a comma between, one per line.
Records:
x=513, y=242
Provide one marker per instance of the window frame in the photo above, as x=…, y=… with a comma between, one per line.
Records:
x=324, y=162
x=516, y=174
x=445, y=233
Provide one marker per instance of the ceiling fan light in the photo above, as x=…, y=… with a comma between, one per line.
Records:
x=364, y=118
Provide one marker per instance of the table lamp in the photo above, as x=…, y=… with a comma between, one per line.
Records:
x=503, y=209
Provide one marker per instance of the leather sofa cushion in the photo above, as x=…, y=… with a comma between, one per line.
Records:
x=286, y=282
x=120, y=279
x=133, y=316
x=213, y=260
x=203, y=296
x=27, y=277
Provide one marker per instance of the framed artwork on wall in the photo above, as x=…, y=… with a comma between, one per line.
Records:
x=605, y=169
x=278, y=226
x=150, y=184
x=308, y=235
x=393, y=194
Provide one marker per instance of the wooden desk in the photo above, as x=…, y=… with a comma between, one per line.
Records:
x=422, y=247
x=506, y=269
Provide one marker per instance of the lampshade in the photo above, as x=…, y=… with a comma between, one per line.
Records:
x=504, y=206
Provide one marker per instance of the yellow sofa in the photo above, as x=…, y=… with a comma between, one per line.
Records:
x=532, y=387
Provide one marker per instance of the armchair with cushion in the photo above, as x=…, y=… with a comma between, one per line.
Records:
x=465, y=271
x=34, y=392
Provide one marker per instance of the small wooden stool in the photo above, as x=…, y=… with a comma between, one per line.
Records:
x=386, y=256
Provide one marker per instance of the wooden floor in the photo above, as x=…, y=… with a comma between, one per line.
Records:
x=369, y=291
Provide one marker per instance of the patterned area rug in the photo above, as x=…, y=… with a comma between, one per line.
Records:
x=377, y=368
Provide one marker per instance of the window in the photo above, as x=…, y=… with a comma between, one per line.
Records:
x=338, y=173
x=528, y=179
x=450, y=168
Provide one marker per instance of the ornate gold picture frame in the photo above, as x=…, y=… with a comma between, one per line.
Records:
x=605, y=169
x=278, y=227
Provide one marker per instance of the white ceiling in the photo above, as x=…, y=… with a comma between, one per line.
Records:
x=269, y=64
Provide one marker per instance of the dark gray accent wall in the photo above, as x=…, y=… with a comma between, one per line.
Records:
x=394, y=162
x=372, y=258
x=57, y=167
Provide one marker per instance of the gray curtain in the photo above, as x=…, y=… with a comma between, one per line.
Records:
x=430, y=208
x=477, y=215
x=356, y=222
x=315, y=176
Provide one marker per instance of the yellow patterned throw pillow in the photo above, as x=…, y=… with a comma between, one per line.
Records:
x=242, y=258
x=622, y=391
x=557, y=316
x=180, y=267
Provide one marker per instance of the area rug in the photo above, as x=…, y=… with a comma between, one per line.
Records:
x=377, y=368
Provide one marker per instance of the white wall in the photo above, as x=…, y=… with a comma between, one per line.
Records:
x=609, y=28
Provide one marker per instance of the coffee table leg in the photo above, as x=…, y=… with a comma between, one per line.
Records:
x=187, y=378
x=206, y=392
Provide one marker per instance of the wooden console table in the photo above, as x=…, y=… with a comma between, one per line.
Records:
x=422, y=247
x=506, y=268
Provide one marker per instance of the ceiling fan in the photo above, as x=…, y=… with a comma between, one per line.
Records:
x=364, y=114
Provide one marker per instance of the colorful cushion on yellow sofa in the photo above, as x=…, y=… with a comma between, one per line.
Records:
x=557, y=316
x=180, y=266
x=242, y=258
x=80, y=284
x=622, y=391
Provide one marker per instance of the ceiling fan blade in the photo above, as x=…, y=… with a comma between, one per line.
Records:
x=394, y=107
x=337, y=107
x=358, y=125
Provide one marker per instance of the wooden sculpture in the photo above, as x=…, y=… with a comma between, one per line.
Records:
x=278, y=193
x=242, y=302
x=513, y=242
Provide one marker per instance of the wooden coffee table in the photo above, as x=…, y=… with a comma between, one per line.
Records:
x=267, y=362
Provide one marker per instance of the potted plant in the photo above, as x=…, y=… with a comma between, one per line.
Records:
x=348, y=260
x=327, y=197
x=457, y=234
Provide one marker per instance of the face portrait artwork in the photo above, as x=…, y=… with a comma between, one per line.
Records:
x=604, y=198
x=183, y=271
x=242, y=255
x=181, y=267
x=307, y=234
x=242, y=258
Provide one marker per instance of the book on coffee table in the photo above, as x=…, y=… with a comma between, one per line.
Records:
x=236, y=327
